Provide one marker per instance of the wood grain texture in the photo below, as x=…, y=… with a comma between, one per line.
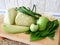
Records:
x=25, y=38
x=5, y=41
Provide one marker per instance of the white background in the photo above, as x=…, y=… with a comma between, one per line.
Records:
x=42, y=5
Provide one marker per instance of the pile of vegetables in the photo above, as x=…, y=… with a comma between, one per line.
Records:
x=18, y=20
x=49, y=31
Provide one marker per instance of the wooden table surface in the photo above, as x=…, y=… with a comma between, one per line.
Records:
x=5, y=41
x=26, y=39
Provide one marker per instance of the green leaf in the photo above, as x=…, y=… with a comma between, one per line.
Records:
x=47, y=30
x=34, y=37
x=55, y=25
x=53, y=29
x=28, y=12
x=51, y=36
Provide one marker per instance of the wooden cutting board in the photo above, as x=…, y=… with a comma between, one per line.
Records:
x=25, y=38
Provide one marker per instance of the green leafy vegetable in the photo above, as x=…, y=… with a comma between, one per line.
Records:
x=47, y=28
x=51, y=36
x=28, y=12
x=36, y=36
x=53, y=29
x=50, y=29
x=55, y=25
x=48, y=32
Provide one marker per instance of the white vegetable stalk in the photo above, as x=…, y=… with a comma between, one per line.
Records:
x=6, y=18
x=9, y=17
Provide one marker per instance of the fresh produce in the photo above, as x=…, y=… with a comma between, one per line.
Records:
x=28, y=12
x=33, y=27
x=23, y=19
x=14, y=29
x=9, y=17
x=36, y=36
x=42, y=22
x=48, y=32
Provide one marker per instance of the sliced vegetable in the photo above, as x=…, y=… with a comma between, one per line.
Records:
x=14, y=29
